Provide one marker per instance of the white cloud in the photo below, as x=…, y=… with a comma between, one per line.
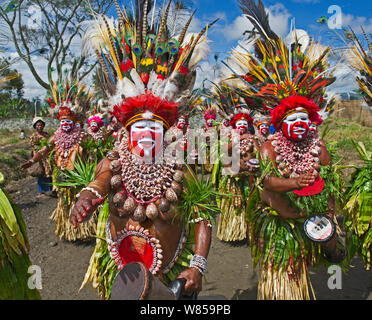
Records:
x=356, y=21
x=278, y=19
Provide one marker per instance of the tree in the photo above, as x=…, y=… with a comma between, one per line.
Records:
x=13, y=88
x=51, y=27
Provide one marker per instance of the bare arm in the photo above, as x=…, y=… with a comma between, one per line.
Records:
x=41, y=154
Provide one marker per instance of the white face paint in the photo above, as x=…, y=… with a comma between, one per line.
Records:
x=94, y=126
x=264, y=129
x=242, y=126
x=147, y=136
x=296, y=125
x=66, y=125
x=210, y=122
x=181, y=123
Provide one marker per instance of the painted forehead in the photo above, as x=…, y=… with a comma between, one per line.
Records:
x=66, y=121
x=297, y=115
x=147, y=124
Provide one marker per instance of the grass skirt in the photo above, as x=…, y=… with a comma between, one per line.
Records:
x=61, y=216
x=279, y=285
x=232, y=221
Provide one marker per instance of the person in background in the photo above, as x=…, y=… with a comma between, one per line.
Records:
x=23, y=135
x=38, y=139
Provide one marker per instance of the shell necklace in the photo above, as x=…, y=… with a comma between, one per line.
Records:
x=296, y=157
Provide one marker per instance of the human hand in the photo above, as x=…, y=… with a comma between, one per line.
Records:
x=305, y=180
x=26, y=164
x=83, y=209
x=193, y=280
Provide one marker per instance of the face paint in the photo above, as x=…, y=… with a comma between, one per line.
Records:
x=210, y=123
x=313, y=128
x=94, y=126
x=264, y=129
x=66, y=125
x=146, y=138
x=242, y=126
x=181, y=123
x=296, y=126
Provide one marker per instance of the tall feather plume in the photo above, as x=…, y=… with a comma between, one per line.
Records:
x=368, y=42
x=184, y=30
x=144, y=24
x=163, y=23
x=120, y=14
x=257, y=15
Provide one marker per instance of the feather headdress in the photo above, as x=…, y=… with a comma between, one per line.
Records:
x=69, y=99
x=361, y=60
x=281, y=70
x=144, y=67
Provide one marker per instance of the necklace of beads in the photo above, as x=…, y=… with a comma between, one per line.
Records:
x=296, y=157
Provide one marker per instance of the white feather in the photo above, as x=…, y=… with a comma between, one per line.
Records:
x=201, y=50
x=152, y=80
x=137, y=81
x=170, y=90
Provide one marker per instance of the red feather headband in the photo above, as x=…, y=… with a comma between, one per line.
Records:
x=279, y=113
x=241, y=116
x=141, y=104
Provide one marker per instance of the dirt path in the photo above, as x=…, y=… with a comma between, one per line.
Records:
x=230, y=273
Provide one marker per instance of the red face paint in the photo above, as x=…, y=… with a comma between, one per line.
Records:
x=181, y=123
x=313, y=128
x=296, y=126
x=94, y=126
x=264, y=129
x=146, y=138
x=242, y=126
x=66, y=125
x=210, y=123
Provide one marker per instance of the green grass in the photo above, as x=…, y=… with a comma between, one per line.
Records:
x=21, y=152
x=344, y=131
x=8, y=159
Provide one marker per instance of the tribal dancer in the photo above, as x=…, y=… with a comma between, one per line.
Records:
x=67, y=101
x=208, y=143
x=298, y=180
x=232, y=182
x=232, y=223
x=358, y=220
x=101, y=139
x=262, y=124
x=151, y=75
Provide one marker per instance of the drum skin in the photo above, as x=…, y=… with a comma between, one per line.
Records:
x=135, y=282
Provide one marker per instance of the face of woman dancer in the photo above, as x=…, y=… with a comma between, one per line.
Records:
x=264, y=129
x=210, y=123
x=181, y=123
x=66, y=125
x=296, y=126
x=146, y=138
x=313, y=128
x=242, y=126
x=39, y=127
x=94, y=126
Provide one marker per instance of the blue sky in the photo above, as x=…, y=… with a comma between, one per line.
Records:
x=305, y=12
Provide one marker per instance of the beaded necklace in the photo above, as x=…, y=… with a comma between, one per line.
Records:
x=296, y=157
